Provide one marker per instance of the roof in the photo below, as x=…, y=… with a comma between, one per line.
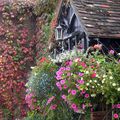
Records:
x=101, y=18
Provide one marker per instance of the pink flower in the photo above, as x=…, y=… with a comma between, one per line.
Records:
x=62, y=82
x=83, y=64
x=113, y=106
x=115, y=115
x=80, y=81
x=68, y=63
x=91, y=109
x=111, y=52
x=59, y=85
x=73, y=106
x=83, y=106
x=118, y=105
x=50, y=100
x=69, y=90
x=78, y=87
x=86, y=95
x=65, y=86
x=58, y=77
x=73, y=92
x=59, y=73
x=82, y=92
x=53, y=107
x=76, y=109
x=64, y=97
x=61, y=69
x=68, y=74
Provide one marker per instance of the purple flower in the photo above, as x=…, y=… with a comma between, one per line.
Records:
x=111, y=52
x=80, y=82
x=67, y=68
x=73, y=92
x=80, y=74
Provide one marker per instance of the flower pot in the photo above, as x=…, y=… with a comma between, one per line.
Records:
x=98, y=115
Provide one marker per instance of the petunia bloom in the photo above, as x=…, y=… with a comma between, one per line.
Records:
x=115, y=115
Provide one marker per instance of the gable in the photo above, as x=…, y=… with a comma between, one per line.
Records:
x=101, y=18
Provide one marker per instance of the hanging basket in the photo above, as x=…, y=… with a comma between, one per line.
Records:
x=99, y=115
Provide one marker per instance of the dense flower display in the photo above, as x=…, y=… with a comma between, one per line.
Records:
x=16, y=57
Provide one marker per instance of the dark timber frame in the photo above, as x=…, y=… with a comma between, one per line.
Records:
x=84, y=20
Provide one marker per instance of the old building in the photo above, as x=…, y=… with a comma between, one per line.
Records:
x=82, y=21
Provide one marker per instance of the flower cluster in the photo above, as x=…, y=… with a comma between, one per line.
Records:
x=82, y=81
x=16, y=56
x=79, y=83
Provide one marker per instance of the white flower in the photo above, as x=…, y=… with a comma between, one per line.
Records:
x=97, y=75
x=87, y=72
x=114, y=84
x=90, y=81
x=86, y=88
x=32, y=67
x=111, y=77
x=93, y=87
x=88, y=84
x=118, y=54
x=81, y=78
x=103, y=81
x=93, y=95
x=95, y=81
x=118, y=89
x=77, y=59
x=98, y=84
x=104, y=76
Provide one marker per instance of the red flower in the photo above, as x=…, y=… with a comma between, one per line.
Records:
x=43, y=59
x=93, y=75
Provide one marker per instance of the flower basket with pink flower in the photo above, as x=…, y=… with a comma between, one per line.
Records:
x=86, y=82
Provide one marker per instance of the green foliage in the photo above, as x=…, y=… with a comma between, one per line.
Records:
x=41, y=81
x=63, y=113
x=33, y=115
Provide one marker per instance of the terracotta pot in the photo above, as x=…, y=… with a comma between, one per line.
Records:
x=99, y=115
